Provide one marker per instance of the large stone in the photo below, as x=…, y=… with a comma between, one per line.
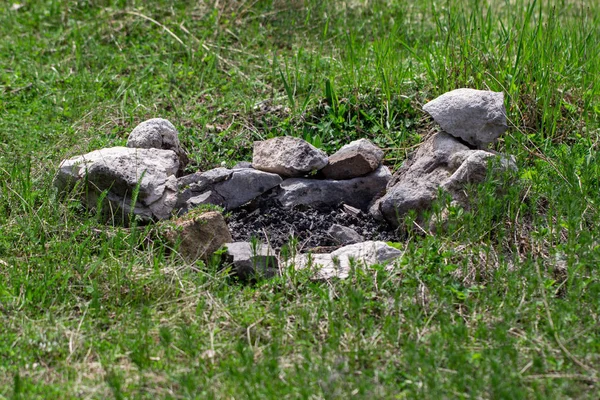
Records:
x=339, y=263
x=442, y=163
x=250, y=260
x=323, y=194
x=355, y=159
x=122, y=172
x=224, y=187
x=476, y=116
x=287, y=156
x=244, y=185
x=197, y=236
x=158, y=133
x=404, y=197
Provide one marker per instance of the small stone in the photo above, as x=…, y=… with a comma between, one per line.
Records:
x=324, y=194
x=287, y=156
x=338, y=263
x=158, y=133
x=251, y=260
x=476, y=116
x=355, y=159
x=198, y=236
x=344, y=235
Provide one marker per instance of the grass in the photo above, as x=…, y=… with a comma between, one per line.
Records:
x=503, y=304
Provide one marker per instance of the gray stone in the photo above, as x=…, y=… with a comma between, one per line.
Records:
x=344, y=235
x=339, y=263
x=287, y=156
x=355, y=159
x=357, y=192
x=404, y=197
x=197, y=236
x=440, y=163
x=224, y=187
x=252, y=261
x=120, y=171
x=244, y=185
x=158, y=133
x=208, y=197
x=476, y=116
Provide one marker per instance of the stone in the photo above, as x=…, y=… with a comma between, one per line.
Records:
x=442, y=163
x=158, y=133
x=208, y=197
x=404, y=197
x=323, y=194
x=339, y=263
x=251, y=261
x=228, y=188
x=344, y=235
x=121, y=171
x=288, y=156
x=197, y=235
x=476, y=116
x=242, y=164
x=355, y=159
x=244, y=185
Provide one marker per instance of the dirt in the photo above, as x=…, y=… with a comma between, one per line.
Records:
x=268, y=221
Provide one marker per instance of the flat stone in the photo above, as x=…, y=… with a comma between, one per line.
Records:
x=355, y=159
x=244, y=185
x=476, y=116
x=356, y=192
x=344, y=235
x=250, y=260
x=197, y=236
x=228, y=188
x=207, y=197
x=121, y=171
x=287, y=156
x=158, y=133
x=339, y=263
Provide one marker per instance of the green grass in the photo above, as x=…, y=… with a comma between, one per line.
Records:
x=503, y=304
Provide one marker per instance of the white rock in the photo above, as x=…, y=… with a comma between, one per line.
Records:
x=476, y=116
x=119, y=171
x=338, y=263
x=441, y=162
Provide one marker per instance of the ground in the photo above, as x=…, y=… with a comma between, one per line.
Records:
x=504, y=303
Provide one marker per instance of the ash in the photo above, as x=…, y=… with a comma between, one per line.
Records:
x=271, y=223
